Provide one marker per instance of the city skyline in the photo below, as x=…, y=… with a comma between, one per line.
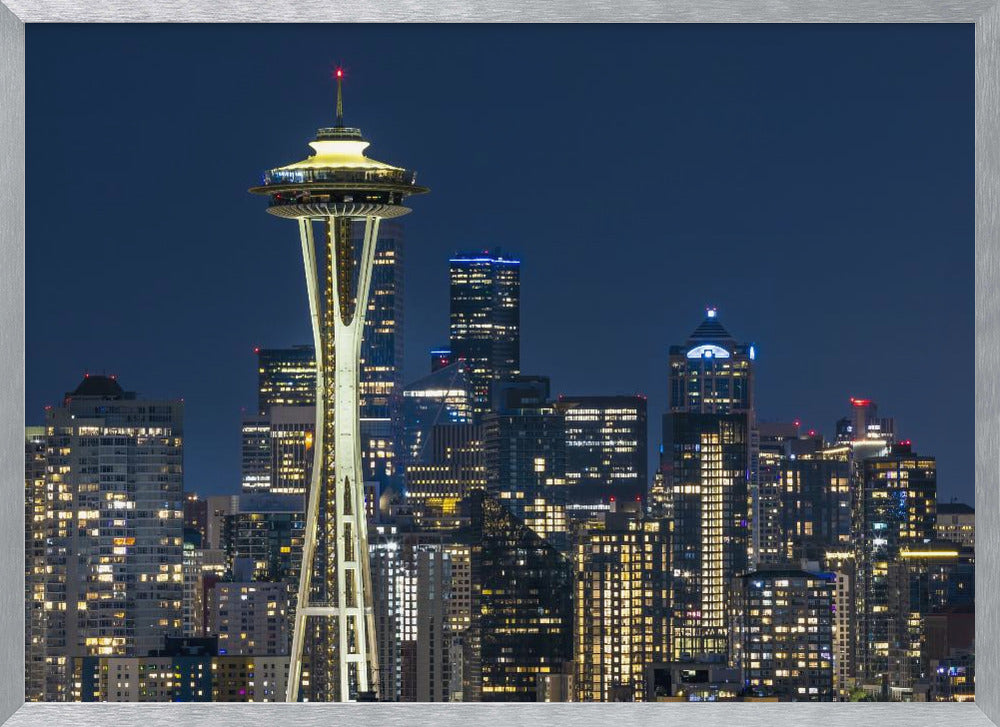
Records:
x=584, y=355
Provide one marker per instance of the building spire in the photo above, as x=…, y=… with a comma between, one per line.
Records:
x=339, y=74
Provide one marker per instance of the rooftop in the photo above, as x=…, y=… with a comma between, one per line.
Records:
x=98, y=386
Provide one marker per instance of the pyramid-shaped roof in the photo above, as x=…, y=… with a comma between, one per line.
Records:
x=710, y=330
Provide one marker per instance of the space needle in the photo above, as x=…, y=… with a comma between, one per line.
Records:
x=348, y=194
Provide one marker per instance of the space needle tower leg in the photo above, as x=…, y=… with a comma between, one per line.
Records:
x=337, y=472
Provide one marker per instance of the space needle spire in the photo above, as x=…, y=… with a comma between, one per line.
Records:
x=346, y=194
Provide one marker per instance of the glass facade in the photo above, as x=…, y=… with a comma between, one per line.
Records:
x=486, y=320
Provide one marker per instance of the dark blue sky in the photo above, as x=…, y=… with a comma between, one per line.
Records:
x=813, y=182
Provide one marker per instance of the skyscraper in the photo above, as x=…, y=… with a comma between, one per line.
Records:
x=894, y=510
x=486, y=319
x=708, y=451
x=521, y=605
x=524, y=443
x=442, y=397
x=342, y=189
x=285, y=377
x=605, y=447
x=35, y=514
x=113, y=582
x=783, y=634
x=620, y=606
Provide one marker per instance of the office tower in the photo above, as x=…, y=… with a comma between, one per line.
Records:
x=255, y=447
x=113, y=582
x=35, y=509
x=249, y=618
x=956, y=522
x=935, y=578
x=285, y=377
x=381, y=374
x=894, y=509
x=277, y=450
x=525, y=456
x=816, y=506
x=193, y=609
x=456, y=468
x=766, y=532
x=441, y=357
x=411, y=575
x=263, y=536
x=486, y=319
x=864, y=424
x=521, y=606
x=442, y=397
x=605, y=447
x=708, y=451
x=620, y=607
x=840, y=564
x=341, y=188
x=196, y=516
x=292, y=435
x=782, y=635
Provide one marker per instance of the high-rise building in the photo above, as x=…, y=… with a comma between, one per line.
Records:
x=815, y=508
x=255, y=445
x=780, y=444
x=36, y=508
x=620, y=607
x=605, y=448
x=113, y=582
x=521, y=606
x=486, y=319
x=840, y=563
x=455, y=468
x=287, y=393
x=864, y=424
x=782, y=634
x=262, y=537
x=285, y=377
x=524, y=442
x=708, y=464
x=443, y=397
x=935, y=578
x=250, y=618
x=411, y=575
x=956, y=522
x=894, y=510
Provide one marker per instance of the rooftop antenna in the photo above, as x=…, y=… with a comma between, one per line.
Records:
x=339, y=75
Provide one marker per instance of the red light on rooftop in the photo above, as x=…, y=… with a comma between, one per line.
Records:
x=256, y=349
x=860, y=402
x=612, y=498
x=339, y=73
x=812, y=432
x=797, y=423
x=638, y=498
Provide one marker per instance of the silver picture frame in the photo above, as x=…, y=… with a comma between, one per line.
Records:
x=985, y=14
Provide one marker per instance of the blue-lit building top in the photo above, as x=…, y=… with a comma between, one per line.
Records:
x=712, y=373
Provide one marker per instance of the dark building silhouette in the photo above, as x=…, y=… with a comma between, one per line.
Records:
x=521, y=613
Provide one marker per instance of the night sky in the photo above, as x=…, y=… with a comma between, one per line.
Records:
x=813, y=182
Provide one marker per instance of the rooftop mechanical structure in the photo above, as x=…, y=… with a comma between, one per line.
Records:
x=345, y=193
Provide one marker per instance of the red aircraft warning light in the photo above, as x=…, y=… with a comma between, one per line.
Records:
x=860, y=402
